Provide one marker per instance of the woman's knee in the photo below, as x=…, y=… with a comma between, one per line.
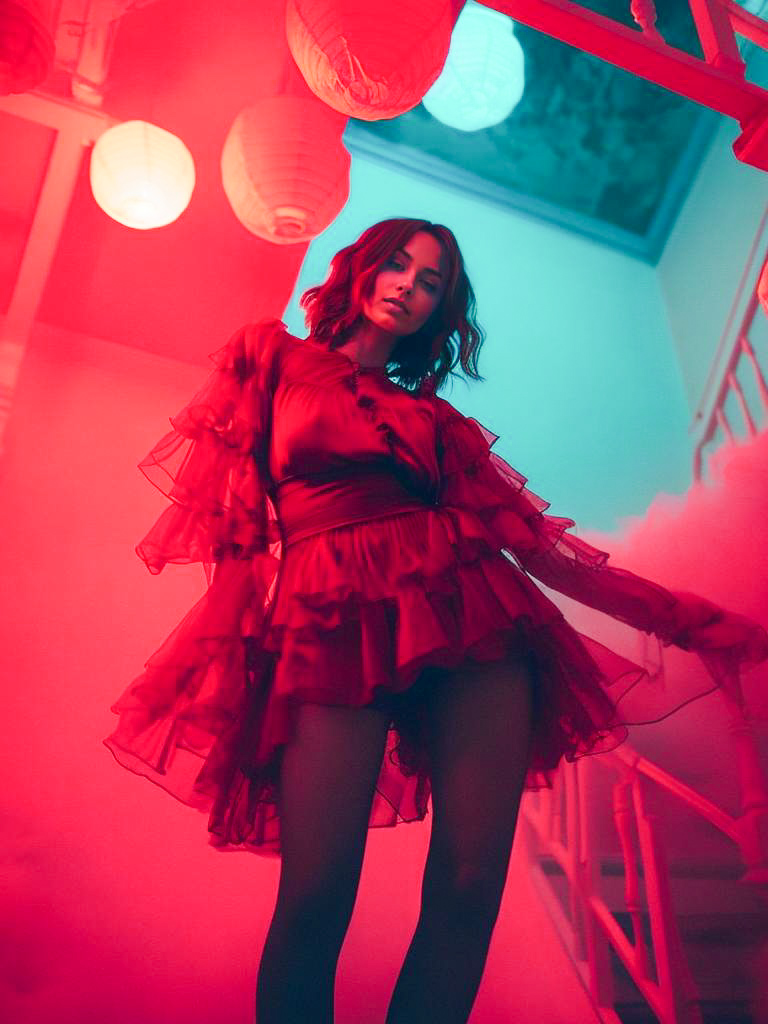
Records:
x=468, y=895
x=323, y=906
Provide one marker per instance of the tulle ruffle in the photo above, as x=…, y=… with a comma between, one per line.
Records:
x=227, y=699
x=212, y=464
x=515, y=519
x=441, y=596
x=372, y=613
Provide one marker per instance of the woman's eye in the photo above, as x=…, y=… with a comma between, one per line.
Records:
x=398, y=266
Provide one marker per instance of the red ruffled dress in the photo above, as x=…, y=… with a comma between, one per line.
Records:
x=357, y=539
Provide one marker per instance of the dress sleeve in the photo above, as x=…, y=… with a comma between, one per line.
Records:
x=515, y=520
x=213, y=464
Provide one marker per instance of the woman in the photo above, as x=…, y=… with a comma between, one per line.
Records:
x=371, y=633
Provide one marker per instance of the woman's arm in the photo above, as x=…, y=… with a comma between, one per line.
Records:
x=213, y=464
x=515, y=520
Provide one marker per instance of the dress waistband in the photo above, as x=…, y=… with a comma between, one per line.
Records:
x=307, y=505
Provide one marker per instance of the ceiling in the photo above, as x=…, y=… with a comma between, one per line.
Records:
x=589, y=147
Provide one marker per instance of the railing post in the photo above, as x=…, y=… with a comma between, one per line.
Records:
x=677, y=988
x=674, y=998
x=716, y=36
x=644, y=13
x=735, y=385
x=622, y=815
x=749, y=352
x=725, y=426
x=752, y=824
x=573, y=849
x=596, y=945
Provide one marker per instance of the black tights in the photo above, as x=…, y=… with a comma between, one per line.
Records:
x=479, y=722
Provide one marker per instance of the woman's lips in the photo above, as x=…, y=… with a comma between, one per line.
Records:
x=397, y=305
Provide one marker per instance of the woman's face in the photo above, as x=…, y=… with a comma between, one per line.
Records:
x=416, y=275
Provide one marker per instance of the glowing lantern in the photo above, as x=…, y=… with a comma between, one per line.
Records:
x=141, y=175
x=484, y=76
x=26, y=46
x=367, y=58
x=284, y=168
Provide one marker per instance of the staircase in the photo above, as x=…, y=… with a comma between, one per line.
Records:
x=662, y=905
x=658, y=893
x=722, y=943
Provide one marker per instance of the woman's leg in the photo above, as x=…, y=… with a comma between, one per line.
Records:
x=327, y=782
x=480, y=726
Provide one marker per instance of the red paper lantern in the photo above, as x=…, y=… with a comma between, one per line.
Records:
x=26, y=45
x=284, y=168
x=366, y=58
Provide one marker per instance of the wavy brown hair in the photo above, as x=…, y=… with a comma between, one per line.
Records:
x=450, y=336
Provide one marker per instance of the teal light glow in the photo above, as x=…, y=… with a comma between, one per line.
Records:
x=484, y=75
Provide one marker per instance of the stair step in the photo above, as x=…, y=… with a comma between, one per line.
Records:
x=720, y=960
x=721, y=942
x=716, y=887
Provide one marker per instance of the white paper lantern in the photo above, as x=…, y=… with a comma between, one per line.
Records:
x=484, y=76
x=141, y=175
x=285, y=169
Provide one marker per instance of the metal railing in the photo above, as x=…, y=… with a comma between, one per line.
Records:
x=736, y=358
x=563, y=824
x=717, y=81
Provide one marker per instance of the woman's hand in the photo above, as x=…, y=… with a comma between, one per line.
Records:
x=698, y=624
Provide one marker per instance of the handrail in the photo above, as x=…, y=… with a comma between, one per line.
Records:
x=672, y=996
x=560, y=825
x=718, y=81
x=715, y=815
x=711, y=412
x=745, y=281
x=716, y=416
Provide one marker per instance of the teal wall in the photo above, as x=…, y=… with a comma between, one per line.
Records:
x=708, y=247
x=709, y=268
x=582, y=382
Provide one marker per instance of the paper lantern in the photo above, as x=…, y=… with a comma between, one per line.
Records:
x=366, y=58
x=26, y=45
x=484, y=76
x=141, y=175
x=284, y=168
